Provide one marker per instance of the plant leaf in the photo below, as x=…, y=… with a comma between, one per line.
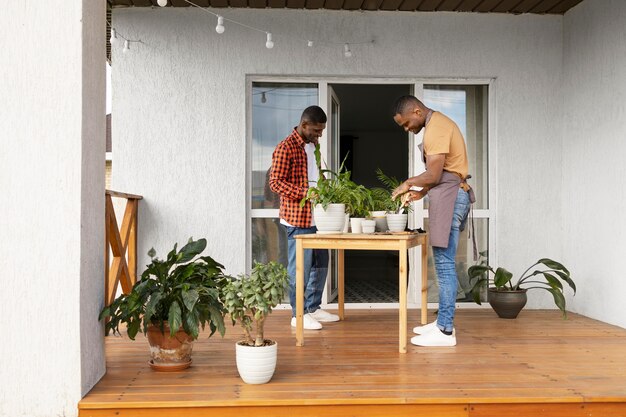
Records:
x=191, y=249
x=190, y=298
x=553, y=264
x=174, y=318
x=559, y=299
x=502, y=277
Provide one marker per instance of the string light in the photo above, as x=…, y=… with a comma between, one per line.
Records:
x=113, y=39
x=219, y=28
x=269, y=44
x=220, y=25
x=263, y=98
x=346, y=51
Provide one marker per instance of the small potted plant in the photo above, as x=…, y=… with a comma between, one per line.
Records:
x=328, y=198
x=507, y=296
x=397, y=216
x=249, y=299
x=359, y=204
x=174, y=299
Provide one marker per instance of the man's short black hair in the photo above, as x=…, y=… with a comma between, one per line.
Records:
x=405, y=103
x=313, y=114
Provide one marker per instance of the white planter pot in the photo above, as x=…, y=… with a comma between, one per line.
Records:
x=381, y=220
x=331, y=219
x=397, y=222
x=256, y=364
x=355, y=224
x=368, y=226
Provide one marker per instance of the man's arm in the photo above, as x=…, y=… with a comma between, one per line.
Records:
x=427, y=179
x=279, y=174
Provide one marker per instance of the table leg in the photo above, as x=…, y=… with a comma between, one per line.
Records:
x=299, y=293
x=340, y=282
x=403, y=301
x=424, y=280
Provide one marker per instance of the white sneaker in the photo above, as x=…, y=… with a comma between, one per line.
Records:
x=324, y=316
x=434, y=338
x=309, y=323
x=427, y=328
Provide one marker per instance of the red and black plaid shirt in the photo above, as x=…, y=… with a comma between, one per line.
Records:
x=289, y=179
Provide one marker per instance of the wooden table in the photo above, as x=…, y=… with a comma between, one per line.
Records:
x=348, y=241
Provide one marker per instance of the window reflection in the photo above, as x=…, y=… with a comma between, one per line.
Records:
x=276, y=110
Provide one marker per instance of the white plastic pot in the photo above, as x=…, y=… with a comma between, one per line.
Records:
x=331, y=219
x=397, y=222
x=368, y=226
x=256, y=364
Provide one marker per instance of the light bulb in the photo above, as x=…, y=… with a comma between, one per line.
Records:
x=220, y=25
x=309, y=44
x=113, y=39
x=263, y=98
x=162, y=3
x=126, y=46
x=269, y=44
x=346, y=51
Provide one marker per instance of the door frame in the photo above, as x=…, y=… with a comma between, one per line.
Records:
x=416, y=219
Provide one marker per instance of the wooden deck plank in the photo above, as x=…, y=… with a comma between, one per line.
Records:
x=537, y=364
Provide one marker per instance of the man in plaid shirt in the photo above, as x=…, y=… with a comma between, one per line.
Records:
x=293, y=170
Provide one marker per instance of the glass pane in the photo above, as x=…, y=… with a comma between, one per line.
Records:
x=269, y=241
x=464, y=259
x=276, y=110
x=467, y=106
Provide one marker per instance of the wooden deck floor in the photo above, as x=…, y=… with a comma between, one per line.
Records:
x=536, y=365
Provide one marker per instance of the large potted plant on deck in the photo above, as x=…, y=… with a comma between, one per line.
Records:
x=174, y=299
x=249, y=299
x=508, y=296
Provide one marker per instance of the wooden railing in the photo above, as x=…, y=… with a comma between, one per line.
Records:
x=122, y=243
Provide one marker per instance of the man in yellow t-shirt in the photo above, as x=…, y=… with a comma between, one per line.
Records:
x=450, y=197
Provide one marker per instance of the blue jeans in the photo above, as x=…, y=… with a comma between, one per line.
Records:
x=445, y=264
x=315, y=271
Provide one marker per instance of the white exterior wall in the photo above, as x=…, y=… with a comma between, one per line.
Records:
x=52, y=127
x=180, y=122
x=594, y=145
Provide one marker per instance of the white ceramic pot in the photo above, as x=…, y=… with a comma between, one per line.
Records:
x=256, y=364
x=346, y=223
x=381, y=220
x=355, y=224
x=397, y=222
x=331, y=219
x=368, y=226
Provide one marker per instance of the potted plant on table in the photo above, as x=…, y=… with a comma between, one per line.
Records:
x=397, y=213
x=507, y=296
x=174, y=299
x=328, y=198
x=359, y=204
x=249, y=299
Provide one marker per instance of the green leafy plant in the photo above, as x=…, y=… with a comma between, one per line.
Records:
x=331, y=188
x=182, y=290
x=391, y=183
x=249, y=299
x=359, y=200
x=549, y=275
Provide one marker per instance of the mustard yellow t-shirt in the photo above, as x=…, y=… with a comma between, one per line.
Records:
x=443, y=136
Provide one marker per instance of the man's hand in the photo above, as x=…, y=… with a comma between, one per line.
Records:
x=412, y=196
x=401, y=189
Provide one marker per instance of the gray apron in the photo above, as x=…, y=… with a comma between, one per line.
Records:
x=442, y=198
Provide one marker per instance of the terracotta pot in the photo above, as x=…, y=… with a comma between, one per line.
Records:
x=507, y=304
x=169, y=353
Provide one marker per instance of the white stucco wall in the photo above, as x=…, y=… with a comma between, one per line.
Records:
x=180, y=126
x=51, y=205
x=594, y=145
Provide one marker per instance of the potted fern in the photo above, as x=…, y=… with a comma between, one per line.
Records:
x=508, y=296
x=249, y=299
x=175, y=297
x=397, y=215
